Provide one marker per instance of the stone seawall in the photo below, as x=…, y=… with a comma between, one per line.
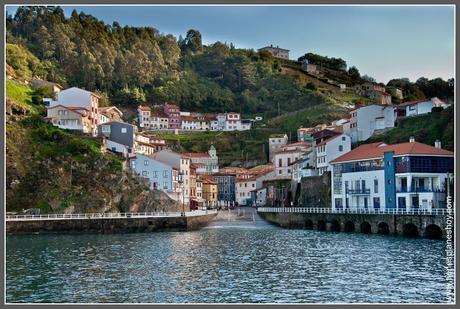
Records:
x=406, y=225
x=109, y=225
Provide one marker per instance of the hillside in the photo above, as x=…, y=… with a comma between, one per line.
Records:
x=424, y=128
x=56, y=171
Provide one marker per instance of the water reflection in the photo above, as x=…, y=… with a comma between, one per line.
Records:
x=236, y=262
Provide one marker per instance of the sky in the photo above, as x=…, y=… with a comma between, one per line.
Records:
x=384, y=42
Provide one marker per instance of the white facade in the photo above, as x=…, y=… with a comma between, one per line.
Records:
x=366, y=190
x=282, y=161
x=261, y=197
x=76, y=97
x=243, y=188
x=116, y=147
x=275, y=143
x=182, y=165
x=365, y=120
x=423, y=107
x=331, y=149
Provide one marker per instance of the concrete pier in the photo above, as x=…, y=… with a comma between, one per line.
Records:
x=108, y=223
x=430, y=225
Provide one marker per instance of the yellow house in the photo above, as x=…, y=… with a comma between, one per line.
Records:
x=70, y=117
x=209, y=191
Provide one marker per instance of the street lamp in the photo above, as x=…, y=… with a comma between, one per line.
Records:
x=180, y=180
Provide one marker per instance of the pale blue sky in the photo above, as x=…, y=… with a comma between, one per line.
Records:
x=382, y=41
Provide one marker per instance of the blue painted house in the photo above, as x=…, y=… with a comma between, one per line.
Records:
x=159, y=174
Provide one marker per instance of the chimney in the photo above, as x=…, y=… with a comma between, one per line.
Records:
x=411, y=139
x=437, y=144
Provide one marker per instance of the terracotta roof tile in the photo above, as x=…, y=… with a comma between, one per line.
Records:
x=376, y=150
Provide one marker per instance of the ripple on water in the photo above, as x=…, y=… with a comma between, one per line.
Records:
x=225, y=263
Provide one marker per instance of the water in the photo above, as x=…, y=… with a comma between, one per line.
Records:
x=227, y=262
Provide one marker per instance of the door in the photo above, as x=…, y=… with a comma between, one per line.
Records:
x=365, y=203
x=421, y=185
x=402, y=202
x=403, y=184
x=415, y=202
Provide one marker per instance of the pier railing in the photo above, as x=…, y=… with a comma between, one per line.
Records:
x=119, y=215
x=395, y=211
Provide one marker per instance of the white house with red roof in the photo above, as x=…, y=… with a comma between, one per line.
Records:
x=401, y=176
x=79, y=98
x=70, y=117
x=419, y=107
x=284, y=157
x=329, y=149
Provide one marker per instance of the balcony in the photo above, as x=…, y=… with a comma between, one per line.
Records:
x=419, y=190
x=359, y=191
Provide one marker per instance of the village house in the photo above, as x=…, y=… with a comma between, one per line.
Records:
x=365, y=120
x=158, y=174
x=181, y=172
x=55, y=88
x=276, y=52
x=329, y=149
x=149, y=144
x=225, y=180
x=70, y=117
x=210, y=191
x=119, y=137
x=173, y=113
x=288, y=154
x=275, y=143
x=419, y=107
x=374, y=92
x=76, y=97
x=405, y=176
x=245, y=184
x=109, y=113
x=206, y=163
x=153, y=120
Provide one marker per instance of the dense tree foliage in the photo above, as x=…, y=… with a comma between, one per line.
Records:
x=328, y=62
x=436, y=87
x=410, y=90
x=135, y=65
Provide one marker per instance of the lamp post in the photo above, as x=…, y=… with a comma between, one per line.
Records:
x=180, y=180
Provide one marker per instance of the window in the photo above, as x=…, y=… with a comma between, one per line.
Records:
x=343, y=138
x=165, y=185
x=146, y=162
x=280, y=162
x=155, y=174
x=165, y=174
x=289, y=161
x=376, y=186
x=340, y=148
x=123, y=130
x=145, y=173
x=338, y=203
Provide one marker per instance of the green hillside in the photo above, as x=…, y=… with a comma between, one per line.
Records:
x=424, y=128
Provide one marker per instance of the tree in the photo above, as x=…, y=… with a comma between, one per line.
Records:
x=192, y=41
x=368, y=78
x=354, y=73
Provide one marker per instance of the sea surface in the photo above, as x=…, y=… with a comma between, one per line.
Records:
x=226, y=262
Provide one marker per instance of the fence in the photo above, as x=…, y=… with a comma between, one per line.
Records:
x=435, y=212
x=120, y=215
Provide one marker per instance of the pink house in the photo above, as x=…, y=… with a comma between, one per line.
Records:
x=173, y=113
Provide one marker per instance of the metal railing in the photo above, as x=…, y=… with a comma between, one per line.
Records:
x=370, y=211
x=119, y=215
x=363, y=191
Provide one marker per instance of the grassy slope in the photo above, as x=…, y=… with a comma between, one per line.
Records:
x=230, y=146
x=425, y=128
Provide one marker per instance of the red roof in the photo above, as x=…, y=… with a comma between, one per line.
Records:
x=298, y=144
x=328, y=140
x=409, y=103
x=197, y=154
x=382, y=92
x=376, y=150
x=144, y=108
